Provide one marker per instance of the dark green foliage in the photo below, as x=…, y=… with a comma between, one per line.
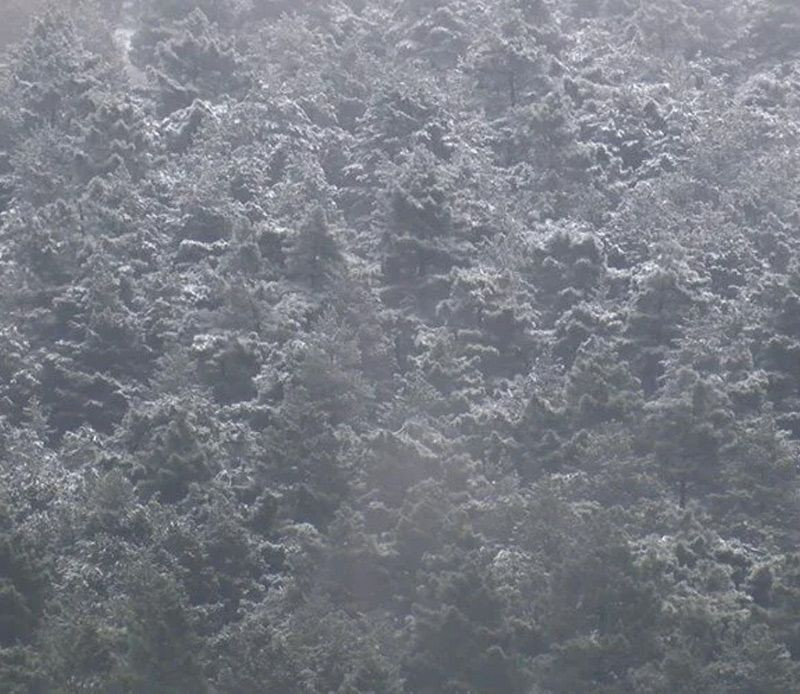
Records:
x=539, y=145
x=781, y=596
x=313, y=255
x=161, y=652
x=74, y=398
x=761, y=473
x=601, y=388
x=403, y=116
x=170, y=451
x=114, y=136
x=188, y=59
x=491, y=318
x=22, y=591
x=689, y=426
x=228, y=365
x=253, y=657
x=19, y=673
x=19, y=380
x=658, y=311
x=400, y=346
x=545, y=440
x=421, y=243
x=438, y=32
x=600, y=618
x=395, y=462
x=70, y=115
x=777, y=349
x=510, y=58
x=568, y=269
x=55, y=78
x=460, y=636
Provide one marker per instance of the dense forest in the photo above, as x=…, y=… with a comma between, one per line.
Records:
x=426, y=346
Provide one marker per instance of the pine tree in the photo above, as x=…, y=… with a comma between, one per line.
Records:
x=658, y=313
x=601, y=388
x=423, y=239
x=689, y=426
x=188, y=59
x=161, y=652
x=313, y=256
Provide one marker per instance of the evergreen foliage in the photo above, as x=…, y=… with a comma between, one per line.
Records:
x=399, y=346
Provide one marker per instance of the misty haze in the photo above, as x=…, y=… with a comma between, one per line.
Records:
x=399, y=347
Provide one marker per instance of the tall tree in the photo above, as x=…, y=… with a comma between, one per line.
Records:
x=690, y=425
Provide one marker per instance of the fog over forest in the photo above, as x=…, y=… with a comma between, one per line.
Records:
x=400, y=347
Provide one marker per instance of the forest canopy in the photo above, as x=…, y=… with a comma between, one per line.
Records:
x=431, y=346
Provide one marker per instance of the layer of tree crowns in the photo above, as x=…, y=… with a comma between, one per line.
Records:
x=399, y=346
